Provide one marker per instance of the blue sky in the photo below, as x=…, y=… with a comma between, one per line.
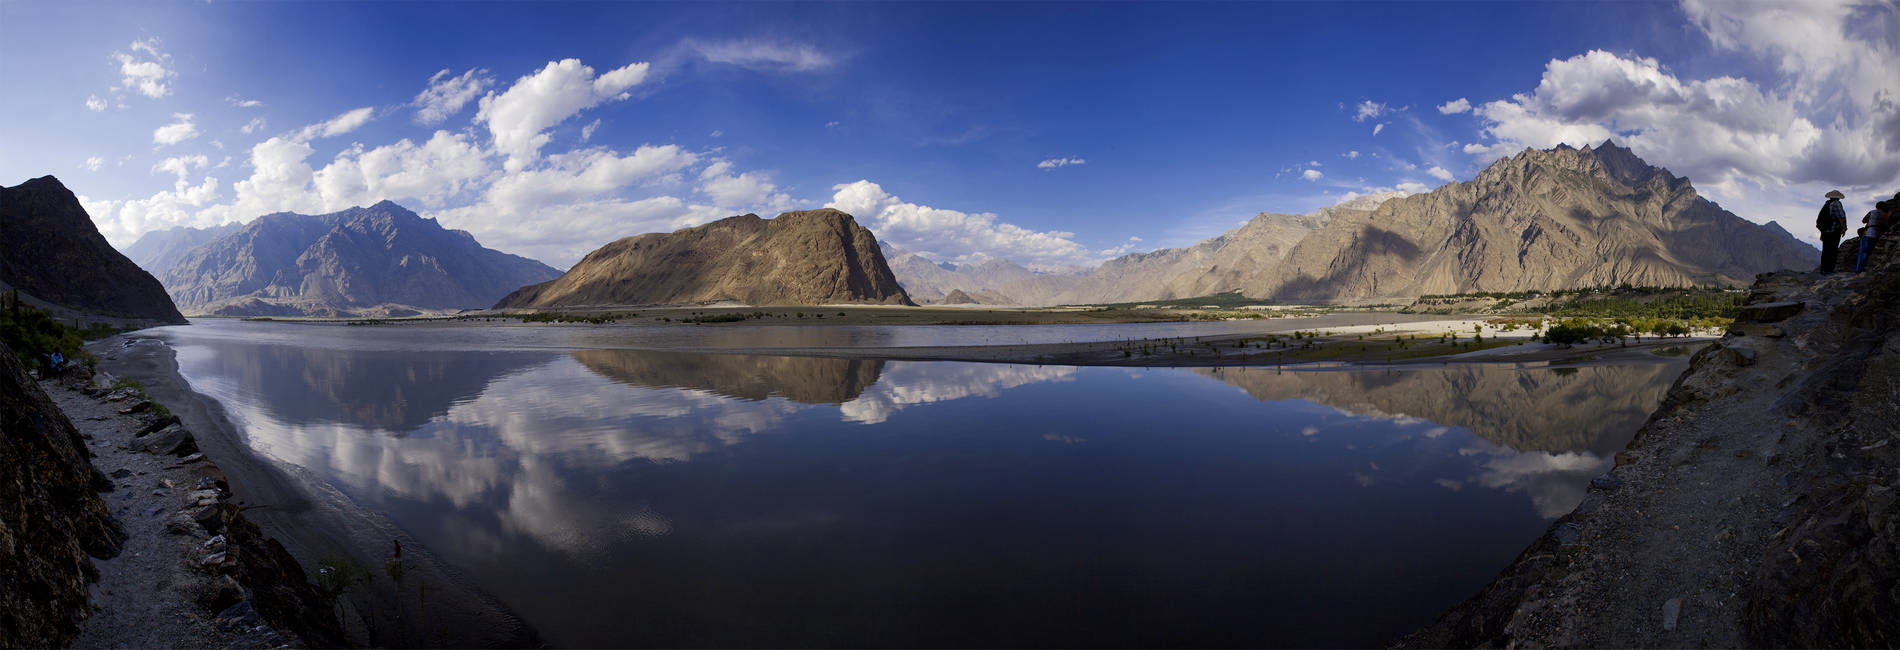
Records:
x=1052, y=134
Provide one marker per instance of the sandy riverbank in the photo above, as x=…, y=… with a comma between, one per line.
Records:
x=321, y=528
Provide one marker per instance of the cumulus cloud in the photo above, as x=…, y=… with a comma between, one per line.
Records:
x=1439, y=173
x=181, y=165
x=95, y=104
x=1054, y=163
x=144, y=70
x=742, y=191
x=240, y=102
x=180, y=130
x=1350, y=155
x=1831, y=118
x=339, y=125
x=442, y=167
x=94, y=163
x=1312, y=175
x=762, y=54
x=951, y=235
x=445, y=95
x=1369, y=109
x=517, y=119
x=1455, y=106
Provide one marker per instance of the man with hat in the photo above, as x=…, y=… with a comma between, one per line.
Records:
x=1832, y=223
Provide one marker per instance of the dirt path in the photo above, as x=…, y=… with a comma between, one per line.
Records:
x=173, y=585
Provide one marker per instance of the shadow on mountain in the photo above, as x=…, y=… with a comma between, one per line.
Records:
x=800, y=379
x=1372, y=242
x=394, y=391
x=1589, y=409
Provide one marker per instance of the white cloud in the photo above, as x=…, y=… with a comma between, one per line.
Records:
x=94, y=163
x=1376, y=128
x=952, y=235
x=240, y=102
x=445, y=95
x=1369, y=109
x=1313, y=163
x=518, y=117
x=745, y=191
x=717, y=133
x=1350, y=155
x=348, y=121
x=1054, y=163
x=1455, y=106
x=763, y=54
x=95, y=104
x=440, y=168
x=587, y=132
x=1439, y=173
x=832, y=124
x=143, y=71
x=256, y=124
x=181, y=165
x=1312, y=175
x=180, y=130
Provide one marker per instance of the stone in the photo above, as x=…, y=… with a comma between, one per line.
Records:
x=182, y=524
x=192, y=458
x=199, y=498
x=1738, y=356
x=120, y=473
x=1756, y=329
x=153, y=511
x=1671, y=611
x=1607, y=482
x=1624, y=458
x=174, y=440
x=155, y=424
x=135, y=407
x=1567, y=533
x=1770, y=312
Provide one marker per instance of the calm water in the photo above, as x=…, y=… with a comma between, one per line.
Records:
x=619, y=497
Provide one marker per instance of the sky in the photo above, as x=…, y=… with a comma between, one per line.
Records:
x=1056, y=135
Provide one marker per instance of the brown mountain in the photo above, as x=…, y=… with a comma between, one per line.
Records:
x=1543, y=219
x=799, y=258
x=54, y=255
x=379, y=260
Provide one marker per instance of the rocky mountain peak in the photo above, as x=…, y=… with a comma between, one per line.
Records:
x=54, y=253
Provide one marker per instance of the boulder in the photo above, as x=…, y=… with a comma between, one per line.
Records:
x=1770, y=312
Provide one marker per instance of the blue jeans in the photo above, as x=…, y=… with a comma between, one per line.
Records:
x=1866, y=244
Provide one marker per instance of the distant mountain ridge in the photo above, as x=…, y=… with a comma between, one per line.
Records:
x=157, y=251
x=808, y=257
x=1544, y=219
x=51, y=251
x=382, y=260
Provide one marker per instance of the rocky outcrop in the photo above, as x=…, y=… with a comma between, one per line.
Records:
x=958, y=297
x=52, y=523
x=811, y=257
x=1541, y=220
x=52, y=252
x=1756, y=507
x=159, y=250
x=382, y=260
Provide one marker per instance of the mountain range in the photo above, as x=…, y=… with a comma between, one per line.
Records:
x=1543, y=219
x=382, y=260
x=56, y=258
x=810, y=257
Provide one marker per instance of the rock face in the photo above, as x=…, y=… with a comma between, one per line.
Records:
x=1757, y=507
x=159, y=250
x=1556, y=219
x=53, y=253
x=52, y=521
x=379, y=260
x=958, y=297
x=799, y=258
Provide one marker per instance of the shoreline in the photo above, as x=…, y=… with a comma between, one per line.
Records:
x=317, y=525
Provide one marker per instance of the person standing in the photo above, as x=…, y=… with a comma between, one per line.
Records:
x=1876, y=221
x=1832, y=222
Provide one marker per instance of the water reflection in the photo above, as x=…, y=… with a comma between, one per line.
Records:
x=627, y=498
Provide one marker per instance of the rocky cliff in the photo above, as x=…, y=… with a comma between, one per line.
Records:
x=53, y=523
x=379, y=260
x=798, y=258
x=53, y=253
x=1759, y=506
x=1544, y=219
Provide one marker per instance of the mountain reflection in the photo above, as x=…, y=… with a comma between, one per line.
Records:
x=800, y=379
x=1541, y=432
